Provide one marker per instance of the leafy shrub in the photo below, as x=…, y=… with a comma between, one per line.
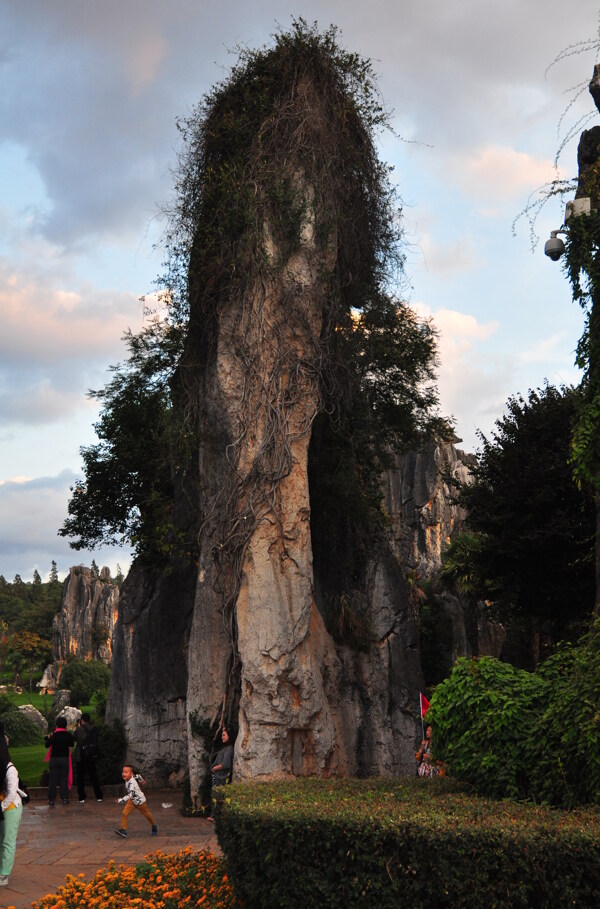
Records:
x=19, y=728
x=384, y=843
x=566, y=768
x=513, y=733
x=112, y=746
x=482, y=717
x=84, y=678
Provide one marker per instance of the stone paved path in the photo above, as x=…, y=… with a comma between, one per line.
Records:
x=75, y=839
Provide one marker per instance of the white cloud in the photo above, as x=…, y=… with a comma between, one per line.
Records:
x=57, y=339
x=501, y=173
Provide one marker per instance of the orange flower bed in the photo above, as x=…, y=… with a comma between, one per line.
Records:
x=183, y=881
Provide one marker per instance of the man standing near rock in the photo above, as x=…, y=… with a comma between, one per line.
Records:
x=86, y=752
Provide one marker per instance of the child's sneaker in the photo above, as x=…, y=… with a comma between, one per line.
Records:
x=154, y=830
x=121, y=832
x=3, y=880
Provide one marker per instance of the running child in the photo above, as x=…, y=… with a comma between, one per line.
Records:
x=133, y=798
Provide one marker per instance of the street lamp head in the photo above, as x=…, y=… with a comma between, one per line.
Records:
x=554, y=247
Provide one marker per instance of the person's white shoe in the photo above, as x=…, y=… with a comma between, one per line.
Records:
x=3, y=880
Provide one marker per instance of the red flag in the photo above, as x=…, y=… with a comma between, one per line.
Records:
x=424, y=704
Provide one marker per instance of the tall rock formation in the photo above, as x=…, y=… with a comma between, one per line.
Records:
x=424, y=519
x=419, y=501
x=84, y=626
x=291, y=233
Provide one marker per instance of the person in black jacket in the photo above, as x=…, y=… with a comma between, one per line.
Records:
x=86, y=752
x=60, y=743
x=221, y=766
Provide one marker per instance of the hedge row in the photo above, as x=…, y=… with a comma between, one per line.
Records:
x=383, y=843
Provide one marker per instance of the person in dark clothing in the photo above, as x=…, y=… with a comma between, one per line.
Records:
x=86, y=752
x=222, y=765
x=60, y=743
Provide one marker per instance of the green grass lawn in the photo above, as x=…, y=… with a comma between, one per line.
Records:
x=43, y=702
x=29, y=761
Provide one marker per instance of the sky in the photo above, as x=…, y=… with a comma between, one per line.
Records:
x=91, y=92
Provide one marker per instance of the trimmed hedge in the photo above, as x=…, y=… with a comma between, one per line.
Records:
x=347, y=843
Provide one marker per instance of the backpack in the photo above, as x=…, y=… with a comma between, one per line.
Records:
x=89, y=748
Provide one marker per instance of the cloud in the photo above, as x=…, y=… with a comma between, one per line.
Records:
x=544, y=349
x=471, y=382
x=32, y=511
x=46, y=324
x=461, y=254
x=56, y=340
x=501, y=173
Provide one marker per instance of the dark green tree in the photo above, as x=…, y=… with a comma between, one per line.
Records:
x=84, y=678
x=53, y=572
x=532, y=549
x=127, y=493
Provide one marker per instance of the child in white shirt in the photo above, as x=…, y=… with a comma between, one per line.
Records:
x=133, y=798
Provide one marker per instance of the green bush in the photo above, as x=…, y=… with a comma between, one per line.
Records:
x=426, y=843
x=513, y=733
x=84, y=678
x=112, y=745
x=482, y=717
x=19, y=728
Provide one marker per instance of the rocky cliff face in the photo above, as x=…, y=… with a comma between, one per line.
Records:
x=239, y=638
x=149, y=673
x=424, y=520
x=418, y=499
x=84, y=626
x=247, y=645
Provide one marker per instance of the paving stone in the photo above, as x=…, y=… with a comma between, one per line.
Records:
x=71, y=839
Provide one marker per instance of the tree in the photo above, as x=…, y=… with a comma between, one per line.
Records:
x=528, y=735
x=37, y=580
x=127, y=494
x=53, y=572
x=534, y=546
x=27, y=649
x=84, y=678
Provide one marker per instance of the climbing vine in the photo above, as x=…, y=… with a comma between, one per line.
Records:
x=582, y=265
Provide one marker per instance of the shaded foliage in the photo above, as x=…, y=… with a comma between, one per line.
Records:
x=83, y=678
x=512, y=733
x=582, y=265
x=20, y=729
x=531, y=547
x=389, y=843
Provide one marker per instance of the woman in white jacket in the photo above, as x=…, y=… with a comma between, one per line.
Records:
x=12, y=811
